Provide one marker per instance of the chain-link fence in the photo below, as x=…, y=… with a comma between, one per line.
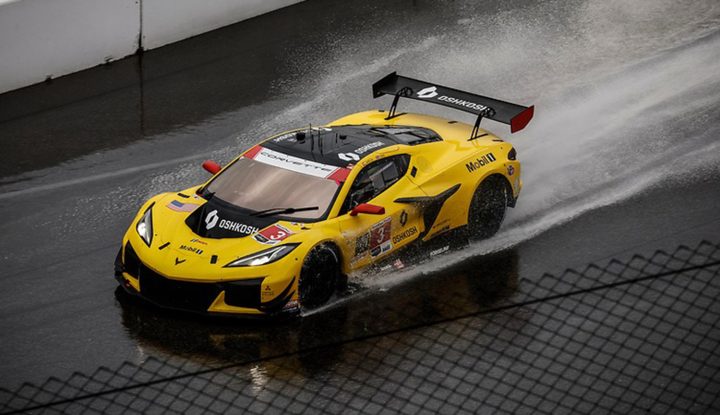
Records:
x=635, y=336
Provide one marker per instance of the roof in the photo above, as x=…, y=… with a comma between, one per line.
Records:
x=342, y=146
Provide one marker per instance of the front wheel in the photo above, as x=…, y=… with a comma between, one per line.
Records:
x=318, y=277
x=487, y=208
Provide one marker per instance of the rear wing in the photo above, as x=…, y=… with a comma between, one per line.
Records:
x=514, y=115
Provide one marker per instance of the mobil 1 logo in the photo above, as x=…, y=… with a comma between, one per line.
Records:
x=479, y=162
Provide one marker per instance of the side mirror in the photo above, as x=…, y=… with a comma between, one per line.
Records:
x=211, y=166
x=367, y=208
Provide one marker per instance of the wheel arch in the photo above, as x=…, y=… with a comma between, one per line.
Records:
x=495, y=175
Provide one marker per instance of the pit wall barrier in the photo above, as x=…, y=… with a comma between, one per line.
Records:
x=45, y=39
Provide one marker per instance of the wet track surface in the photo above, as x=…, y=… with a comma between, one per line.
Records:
x=622, y=158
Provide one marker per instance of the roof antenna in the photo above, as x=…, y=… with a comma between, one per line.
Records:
x=320, y=142
x=312, y=138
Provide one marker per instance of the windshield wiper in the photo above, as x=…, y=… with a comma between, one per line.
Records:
x=281, y=211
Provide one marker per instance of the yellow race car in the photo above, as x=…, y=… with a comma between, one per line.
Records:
x=277, y=229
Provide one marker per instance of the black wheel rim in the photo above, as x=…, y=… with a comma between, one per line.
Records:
x=317, y=278
x=488, y=209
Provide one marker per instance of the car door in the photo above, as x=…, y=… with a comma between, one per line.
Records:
x=368, y=237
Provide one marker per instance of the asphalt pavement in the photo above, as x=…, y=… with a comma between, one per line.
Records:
x=622, y=158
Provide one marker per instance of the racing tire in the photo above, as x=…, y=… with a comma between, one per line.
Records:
x=487, y=208
x=318, y=277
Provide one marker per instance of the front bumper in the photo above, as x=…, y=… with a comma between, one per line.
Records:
x=241, y=297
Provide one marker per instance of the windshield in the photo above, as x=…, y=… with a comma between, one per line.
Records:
x=258, y=186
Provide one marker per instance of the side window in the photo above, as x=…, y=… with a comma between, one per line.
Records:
x=374, y=179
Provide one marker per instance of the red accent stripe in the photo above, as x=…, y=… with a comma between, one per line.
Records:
x=339, y=175
x=521, y=120
x=252, y=152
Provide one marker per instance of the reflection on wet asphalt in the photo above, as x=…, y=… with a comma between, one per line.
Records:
x=622, y=158
x=466, y=288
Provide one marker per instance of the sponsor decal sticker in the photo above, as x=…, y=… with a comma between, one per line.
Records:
x=191, y=249
x=198, y=241
x=439, y=251
x=367, y=147
x=511, y=170
x=179, y=261
x=428, y=92
x=377, y=240
x=267, y=292
x=181, y=207
x=272, y=234
x=355, y=154
x=362, y=245
x=463, y=103
x=212, y=219
x=348, y=157
x=380, y=237
x=403, y=218
x=237, y=227
x=284, y=137
x=479, y=162
x=404, y=235
x=296, y=164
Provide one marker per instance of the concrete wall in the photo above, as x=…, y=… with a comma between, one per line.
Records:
x=41, y=38
x=165, y=20
x=51, y=38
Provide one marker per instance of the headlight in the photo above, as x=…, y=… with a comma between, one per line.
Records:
x=263, y=257
x=144, y=226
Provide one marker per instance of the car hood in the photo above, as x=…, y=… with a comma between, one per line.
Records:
x=218, y=219
x=194, y=227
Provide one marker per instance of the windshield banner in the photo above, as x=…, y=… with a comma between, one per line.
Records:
x=296, y=164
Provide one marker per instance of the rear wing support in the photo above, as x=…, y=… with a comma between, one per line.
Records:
x=517, y=116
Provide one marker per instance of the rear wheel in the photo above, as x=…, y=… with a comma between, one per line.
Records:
x=318, y=277
x=487, y=208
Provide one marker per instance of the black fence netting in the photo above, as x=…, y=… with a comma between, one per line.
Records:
x=641, y=335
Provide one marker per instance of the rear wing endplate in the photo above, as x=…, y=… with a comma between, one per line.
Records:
x=516, y=116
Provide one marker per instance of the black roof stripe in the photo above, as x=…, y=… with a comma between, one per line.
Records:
x=345, y=145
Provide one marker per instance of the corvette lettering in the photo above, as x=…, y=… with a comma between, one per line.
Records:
x=404, y=235
x=295, y=164
x=479, y=162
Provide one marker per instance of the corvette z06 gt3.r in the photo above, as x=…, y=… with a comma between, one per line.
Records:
x=275, y=230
